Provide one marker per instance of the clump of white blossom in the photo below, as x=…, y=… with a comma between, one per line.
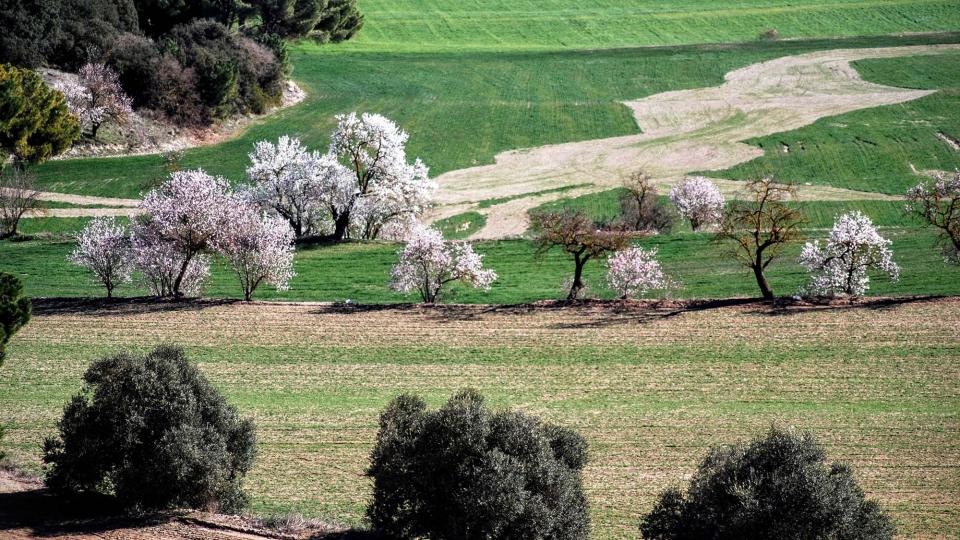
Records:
x=186, y=219
x=428, y=263
x=842, y=264
x=259, y=248
x=96, y=97
x=103, y=248
x=699, y=201
x=635, y=272
x=361, y=188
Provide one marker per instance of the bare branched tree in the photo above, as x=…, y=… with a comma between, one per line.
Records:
x=758, y=225
x=580, y=237
x=17, y=197
x=938, y=203
x=640, y=207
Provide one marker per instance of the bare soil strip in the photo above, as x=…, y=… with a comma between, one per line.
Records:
x=685, y=131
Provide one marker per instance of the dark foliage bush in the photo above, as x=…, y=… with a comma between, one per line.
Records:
x=231, y=73
x=152, y=431
x=777, y=486
x=322, y=20
x=34, y=121
x=15, y=310
x=62, y=33
x=463, y=472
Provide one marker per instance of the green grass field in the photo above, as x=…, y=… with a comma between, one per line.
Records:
x=873, y=149
x=460, y=108
x=360, y=272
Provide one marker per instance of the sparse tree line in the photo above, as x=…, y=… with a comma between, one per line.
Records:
x=150, y=430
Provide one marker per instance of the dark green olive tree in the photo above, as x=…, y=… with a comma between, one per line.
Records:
x=464, y=472
x=152, y=431
x=777, y=486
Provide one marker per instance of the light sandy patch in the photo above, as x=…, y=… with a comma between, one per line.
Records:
x=83, y=199
x=685, y=131
x=82, y=212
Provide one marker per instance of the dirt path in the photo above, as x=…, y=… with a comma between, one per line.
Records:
x=685, y=131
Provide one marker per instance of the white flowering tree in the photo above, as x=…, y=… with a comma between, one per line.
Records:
x=427, y=263
x=103, y=248
x=634, y=272
x=259, y=248
x=841, y=266
x=96, y=97
x=164, y=267
x=294, y=182
x=381, y=186
x=938, y=203
x=699, y=201
x=186, y=214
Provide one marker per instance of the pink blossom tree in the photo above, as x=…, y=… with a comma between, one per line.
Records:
x=163, y=265
x=698, y=200
x=852, y=250
x=427, y=263
x=183, y=218
x=103, y=248
x=634, y=272
x=96, y=98
x=938, y=203
x=259, y=248
x=381, y=185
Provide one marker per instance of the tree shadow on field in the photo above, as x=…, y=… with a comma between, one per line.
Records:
x=789, y=306
x=36, y=512
x=29, y=510
x=579, y=314
x=119, y=307
x=610, y=313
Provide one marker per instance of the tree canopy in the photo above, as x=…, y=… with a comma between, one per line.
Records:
x=34, y=121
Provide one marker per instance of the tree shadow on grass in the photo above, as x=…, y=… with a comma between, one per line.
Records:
x=117, y=307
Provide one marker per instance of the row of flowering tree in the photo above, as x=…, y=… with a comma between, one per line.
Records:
x=189, y=217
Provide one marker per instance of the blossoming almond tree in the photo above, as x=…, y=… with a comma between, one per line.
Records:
x=186, y=214
x=373, y=149
x=103, y=247
x=96, y=97
x=634, y=272
x=162, y=263
x=698, y=200
x=841, y=266
x=428, y=263
x=294, y=182
x=938, y=203
x=258, y=247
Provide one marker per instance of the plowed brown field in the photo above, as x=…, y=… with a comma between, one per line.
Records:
x=651, y=387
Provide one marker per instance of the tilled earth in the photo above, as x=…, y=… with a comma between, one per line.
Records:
x=651, y=386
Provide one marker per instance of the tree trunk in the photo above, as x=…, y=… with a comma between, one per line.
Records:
x=183, y=271
x=577, y=285
x=765, y=289
x=340, y=226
